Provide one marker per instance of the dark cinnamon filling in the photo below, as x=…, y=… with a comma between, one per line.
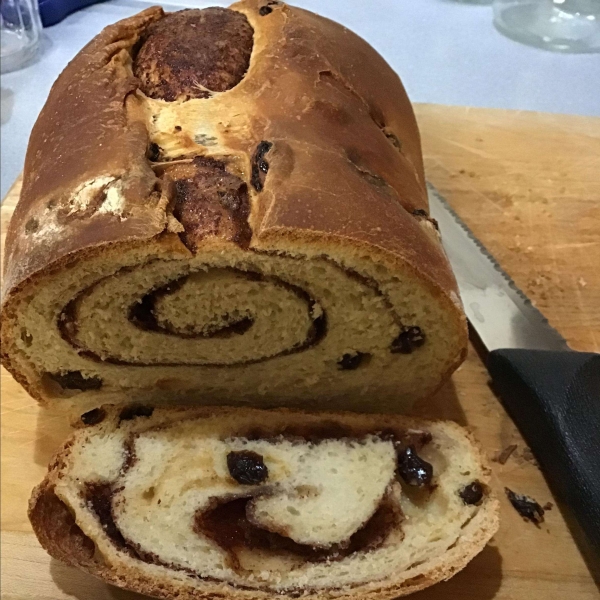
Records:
x=228, y=526
x=143, y=316
x=226, y=522
x=134, y=411
x=209, y=201
x=99, y=498
x=330, y=430
x=75, y=380
x=190, y=53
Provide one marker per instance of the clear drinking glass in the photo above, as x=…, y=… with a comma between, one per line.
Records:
x=563, y=25
x=20, y=32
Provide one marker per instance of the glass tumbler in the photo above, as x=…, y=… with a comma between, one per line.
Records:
x=20, y=33
x=563, y=25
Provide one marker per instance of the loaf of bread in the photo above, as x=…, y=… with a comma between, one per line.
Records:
x=228, y=206
x=245, y=504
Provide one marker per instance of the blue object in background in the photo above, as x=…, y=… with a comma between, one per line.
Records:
x=53, y=11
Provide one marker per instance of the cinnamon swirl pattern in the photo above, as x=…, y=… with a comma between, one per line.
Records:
x=260, y=503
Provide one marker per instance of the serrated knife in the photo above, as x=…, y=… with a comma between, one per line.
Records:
x=551, y=392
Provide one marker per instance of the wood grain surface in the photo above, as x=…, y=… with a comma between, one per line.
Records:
x=528, y=185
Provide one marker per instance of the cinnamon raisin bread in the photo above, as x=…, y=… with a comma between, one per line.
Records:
x=228, y=205
x=248, y=504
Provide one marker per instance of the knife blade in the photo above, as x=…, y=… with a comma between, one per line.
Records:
x=551, y=392
x=500, y=312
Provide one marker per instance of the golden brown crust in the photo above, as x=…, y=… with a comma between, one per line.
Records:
x=335, y=169
x=55, y=528
x=97, y=135
x=175, y=61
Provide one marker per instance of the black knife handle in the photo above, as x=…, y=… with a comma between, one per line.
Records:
x=554, y=399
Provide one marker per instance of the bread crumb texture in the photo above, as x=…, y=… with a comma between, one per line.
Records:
x=331, y=517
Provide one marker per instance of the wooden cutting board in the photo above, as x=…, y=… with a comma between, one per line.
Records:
x=528, y=185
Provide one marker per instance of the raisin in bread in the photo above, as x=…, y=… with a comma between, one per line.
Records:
x=228, y=205
x=248, y=504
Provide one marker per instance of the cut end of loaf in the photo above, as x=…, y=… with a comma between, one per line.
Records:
x=252, y=504
x=234, y=327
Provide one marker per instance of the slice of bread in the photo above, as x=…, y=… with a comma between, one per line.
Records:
x=198, y=503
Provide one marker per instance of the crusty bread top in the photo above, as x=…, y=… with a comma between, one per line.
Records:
x=84, y=131
x=345, y=162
